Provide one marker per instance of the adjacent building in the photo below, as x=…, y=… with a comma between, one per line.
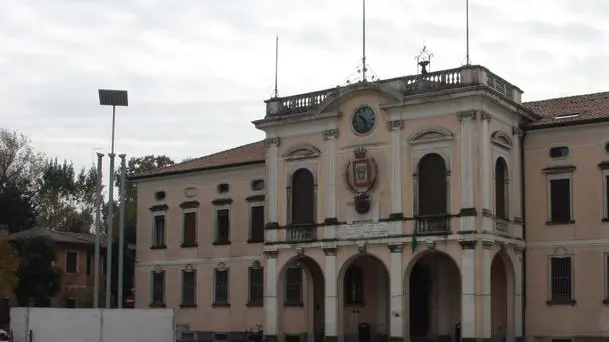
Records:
x=423, y=207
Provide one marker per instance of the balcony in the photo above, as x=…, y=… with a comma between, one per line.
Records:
x=301, y=233
x=463, y=77
x=432, y=224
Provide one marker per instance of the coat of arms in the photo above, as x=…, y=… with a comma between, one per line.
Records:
x=361, y=176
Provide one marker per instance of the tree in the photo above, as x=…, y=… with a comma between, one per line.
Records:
x=39, y=280
x=9, y=264
x=66, y=200
x=128, y=271
x=135, y=165
x=19, y=166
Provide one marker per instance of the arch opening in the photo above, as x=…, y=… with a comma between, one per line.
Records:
x=301, y=288
x=364, y=298
x=302, y=206
x=501, y=189
x=434, y=297
x=502, y=298
x=432, y=194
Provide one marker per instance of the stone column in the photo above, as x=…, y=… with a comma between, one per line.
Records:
x=514, y=175
x=468, y=290
x=270, y=297
x=395, y=127
x=518, y=314
x=486, y=289
x=331, y=299
x=271, y=164
x=467, y=169
x=330, y=137
x=396, y=276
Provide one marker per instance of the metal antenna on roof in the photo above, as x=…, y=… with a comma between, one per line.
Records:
x=276, y=92
x=467, y=61
x=364, y=40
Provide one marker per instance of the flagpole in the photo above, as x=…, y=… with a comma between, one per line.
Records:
x=467, y=61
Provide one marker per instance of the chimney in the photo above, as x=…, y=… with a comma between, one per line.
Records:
x=3, y=229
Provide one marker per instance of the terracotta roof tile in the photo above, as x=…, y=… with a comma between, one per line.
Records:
x=579, y=108
x=245, y=154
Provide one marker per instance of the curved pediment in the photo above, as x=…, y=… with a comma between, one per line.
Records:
x=348, y=92
x=303, y=151
x=501, y=139
x=429, y=135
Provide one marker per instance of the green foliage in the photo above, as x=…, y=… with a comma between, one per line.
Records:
x=39, y=280
x=128, y=271
x=9, y=264
x=66, y=199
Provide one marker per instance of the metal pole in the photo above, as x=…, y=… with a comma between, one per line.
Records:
x=98, y=202
x=110, y=217
x=121, y=230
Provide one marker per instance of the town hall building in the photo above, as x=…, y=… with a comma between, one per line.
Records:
x=437, y=206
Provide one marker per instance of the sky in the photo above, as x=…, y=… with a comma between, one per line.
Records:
x=198, y=71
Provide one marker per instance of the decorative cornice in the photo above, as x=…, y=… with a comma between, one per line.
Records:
x=255, y=198
x=468, y=244
x=395, y=125
x=222, y=201
x=271, y=142
x=559, y=169
x=330, y=134
x=484, y=116
x=189, y=204
x=159, y=207
x=468, y=114
x=329, y=251
x=303, y=151
x=487, y=244
x=502, y=139
x=271, y=254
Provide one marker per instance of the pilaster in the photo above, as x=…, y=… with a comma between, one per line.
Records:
x=518, y=314
x=467, y=168
x=271, y=162
x=270, y=296
x=330, y=138
x=485, y=141
x=487, y=258
x=516, y=195
x=331, y=298
x=395, y=128
x=396, y=289
x=468, y=289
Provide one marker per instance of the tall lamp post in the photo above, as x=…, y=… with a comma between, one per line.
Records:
x=112, y=98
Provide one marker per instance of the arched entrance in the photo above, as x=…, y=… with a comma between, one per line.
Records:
x=301, y=292
x=502, y=297
x=434, y=296
x=364, y=298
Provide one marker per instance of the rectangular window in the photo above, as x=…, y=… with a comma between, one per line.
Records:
x=71, y=262
x=189, y=288
x=561, y=281
x=606, y=194
x=293, y=291
x=256, y=282
x=560, y=198
x=158, y=288
x=89, y=263
x=222, y=226
x=257, y=224
x=221, y=287
x=158, y=239
x=189, y=229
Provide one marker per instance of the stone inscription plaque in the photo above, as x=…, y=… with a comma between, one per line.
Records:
x=363, y=230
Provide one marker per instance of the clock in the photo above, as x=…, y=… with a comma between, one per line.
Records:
x=363, y=120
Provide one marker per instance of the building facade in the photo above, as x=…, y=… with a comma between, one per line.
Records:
x=425, y=207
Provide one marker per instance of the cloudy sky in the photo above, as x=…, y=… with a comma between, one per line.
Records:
x=198, y=71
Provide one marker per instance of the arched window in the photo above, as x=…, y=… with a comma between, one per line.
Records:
x=303, y=197
x=354, y=286
x=501, y=189
x=432, y=187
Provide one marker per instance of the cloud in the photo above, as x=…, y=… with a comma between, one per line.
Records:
x=198, y=71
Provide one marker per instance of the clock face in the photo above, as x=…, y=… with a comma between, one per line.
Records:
x=363, y=120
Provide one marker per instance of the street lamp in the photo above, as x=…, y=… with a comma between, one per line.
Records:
x=112, y=98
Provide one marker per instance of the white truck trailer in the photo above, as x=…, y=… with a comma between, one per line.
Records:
x=92, y=325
